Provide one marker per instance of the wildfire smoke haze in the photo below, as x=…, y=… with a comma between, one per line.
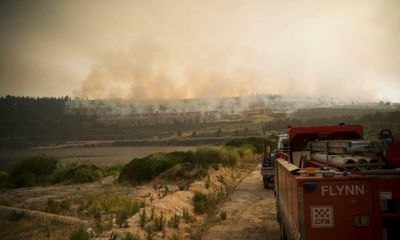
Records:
x=196, y=49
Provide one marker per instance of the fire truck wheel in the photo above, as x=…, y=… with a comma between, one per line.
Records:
x=283, y=232
x=265, y=181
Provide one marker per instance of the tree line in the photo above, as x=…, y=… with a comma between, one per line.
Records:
x=25, y=120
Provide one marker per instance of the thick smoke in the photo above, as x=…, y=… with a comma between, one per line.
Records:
x=149, y=70
x=194, y=49
x=348, y=51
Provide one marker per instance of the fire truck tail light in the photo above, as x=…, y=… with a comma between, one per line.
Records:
x=361, y=221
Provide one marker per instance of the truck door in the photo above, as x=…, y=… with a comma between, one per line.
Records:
x=338, y=210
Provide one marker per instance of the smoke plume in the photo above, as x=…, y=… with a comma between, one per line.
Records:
x=194, y=49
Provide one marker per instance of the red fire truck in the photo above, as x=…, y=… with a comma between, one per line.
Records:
x=332, y=184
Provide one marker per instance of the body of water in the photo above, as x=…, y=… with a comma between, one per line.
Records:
x=96, y=155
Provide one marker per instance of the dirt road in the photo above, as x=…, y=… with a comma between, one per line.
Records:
x=251, y=213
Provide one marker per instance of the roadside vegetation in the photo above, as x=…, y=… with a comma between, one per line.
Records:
x=196, y=181
x=141, y=170
x=103, y=208
x=255, y=143
x=42, y=170
x=144, y=169
x=32, y=171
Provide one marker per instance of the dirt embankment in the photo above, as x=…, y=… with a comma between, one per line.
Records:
x=249, y=208
x=219, y=182
x=250, y=211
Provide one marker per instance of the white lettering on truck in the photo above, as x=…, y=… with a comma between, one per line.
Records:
x=342, y=190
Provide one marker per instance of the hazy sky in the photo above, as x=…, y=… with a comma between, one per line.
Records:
x=183, y=49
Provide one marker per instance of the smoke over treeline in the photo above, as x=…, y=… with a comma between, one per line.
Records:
x=148, y=70
x=312, y=48
x=218, y=107
x=194, y=49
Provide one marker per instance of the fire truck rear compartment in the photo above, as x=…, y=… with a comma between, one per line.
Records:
x=338, y=210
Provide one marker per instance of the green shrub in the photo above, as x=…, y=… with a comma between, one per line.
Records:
x=159, y=222
x=121, y=217
x=221, y=179
x=53, y=206
x=256, y=143
x=207, y=184
x=152, y=213
x=203, y=203
x=43, y=170
x=15, y=216
x=142, y=218
x=77, y=173
x=222, y=214
x=79, y=234
x=246, y=152
x=130, y=236
x=200, y=203
x=87, y=173
x=112, y=170
x=186, y=215
x=65, y=206
x=125, y=208
x=122, y=206
x=206, y=156
x=144, y=169
x=32, y=171
x=174, y=221
x=113, y=236
x=149, y=232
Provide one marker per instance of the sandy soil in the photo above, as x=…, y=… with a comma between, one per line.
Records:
x=175, y=202
x=251, y=213
x=250, y=209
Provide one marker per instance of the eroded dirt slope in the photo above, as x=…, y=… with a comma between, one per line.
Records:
x=251, y=213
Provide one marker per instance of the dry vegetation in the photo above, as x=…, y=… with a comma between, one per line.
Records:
x=162, y=196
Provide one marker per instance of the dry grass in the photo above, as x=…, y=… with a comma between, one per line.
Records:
x=33, y=229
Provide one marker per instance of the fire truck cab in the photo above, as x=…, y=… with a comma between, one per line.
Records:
x=332, y=184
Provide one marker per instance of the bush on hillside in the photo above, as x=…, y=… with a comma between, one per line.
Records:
x=79, y=234
x=77, y=173
x=144, y=169
x=206, y=156
x=256, y=143
x=32, y=171
x=43, y=170
x=200, y=203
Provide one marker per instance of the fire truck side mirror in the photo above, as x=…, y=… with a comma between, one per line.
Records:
x=386, y=135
